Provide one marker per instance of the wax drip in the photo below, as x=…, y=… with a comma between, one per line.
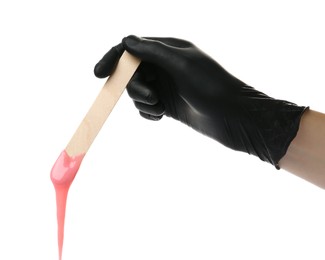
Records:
x=62, y=175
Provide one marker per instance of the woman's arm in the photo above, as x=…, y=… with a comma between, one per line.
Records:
x=305, y=157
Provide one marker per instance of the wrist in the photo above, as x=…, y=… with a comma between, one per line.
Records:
x=304, y=155
x=270, y=125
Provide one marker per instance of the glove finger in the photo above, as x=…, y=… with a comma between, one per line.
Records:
x=150, y=117
x=152, y=51
x=154, y=110
x=173, y=42
x=141, y=91
x=107, y=64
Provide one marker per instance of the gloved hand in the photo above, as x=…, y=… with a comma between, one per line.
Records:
x=178, y=80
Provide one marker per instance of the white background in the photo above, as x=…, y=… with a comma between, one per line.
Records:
x=152, y=190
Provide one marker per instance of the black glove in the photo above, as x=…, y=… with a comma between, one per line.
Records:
x=178, y=80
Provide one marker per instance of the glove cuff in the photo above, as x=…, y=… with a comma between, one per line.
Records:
x=285, y=130
x=263, y=126
x=271, y=126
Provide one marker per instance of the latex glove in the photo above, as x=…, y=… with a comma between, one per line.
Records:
x=178, y=80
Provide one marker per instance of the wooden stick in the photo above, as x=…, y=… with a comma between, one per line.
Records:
x=102, y=106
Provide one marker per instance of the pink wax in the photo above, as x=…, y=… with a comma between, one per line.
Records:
x=62, y=175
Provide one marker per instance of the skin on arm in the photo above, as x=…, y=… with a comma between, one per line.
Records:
x=305, y=157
